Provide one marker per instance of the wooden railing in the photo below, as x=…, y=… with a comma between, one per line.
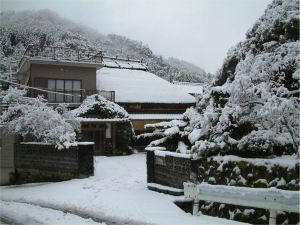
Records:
x=127, y=59
x=266, y=198
x=68, y=96
x=62, y=53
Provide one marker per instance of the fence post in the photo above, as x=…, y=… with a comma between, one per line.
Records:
x=196, y=207
x=150, y=167
x=272, y=218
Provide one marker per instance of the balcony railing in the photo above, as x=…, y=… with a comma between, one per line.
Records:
x=62, y=53
x=68, y=96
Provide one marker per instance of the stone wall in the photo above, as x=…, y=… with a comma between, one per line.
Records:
x=258, y=173
x=44, y=163
x=7, y=167
x=172, y=171
x=168, y=170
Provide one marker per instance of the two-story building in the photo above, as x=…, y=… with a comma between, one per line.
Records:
x=63, y=75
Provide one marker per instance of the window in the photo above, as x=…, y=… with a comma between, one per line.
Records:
x=71, y=87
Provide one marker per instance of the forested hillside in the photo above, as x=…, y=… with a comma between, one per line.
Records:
x=44, y=27
x=252, y=109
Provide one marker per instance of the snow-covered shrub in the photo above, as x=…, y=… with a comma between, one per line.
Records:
x=96, y=106
x=32, y=118
x=164, y=134
x=252, y=108
x=99, y=107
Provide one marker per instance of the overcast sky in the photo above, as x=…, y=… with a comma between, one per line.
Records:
x=198, y=31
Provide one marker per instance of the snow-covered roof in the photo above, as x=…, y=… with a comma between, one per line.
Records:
x=137, y=86
x=123, y=64
x=82, y=119
x=190, y=88
x=152, y=116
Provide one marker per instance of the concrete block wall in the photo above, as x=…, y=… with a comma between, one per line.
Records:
x=42, y=162
x=7, y=164
x=168, y=170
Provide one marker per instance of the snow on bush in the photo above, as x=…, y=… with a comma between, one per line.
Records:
x=252, y=108
x=99, y=107
x=32, y=118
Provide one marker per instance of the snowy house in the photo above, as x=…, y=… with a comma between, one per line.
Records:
x=64, y=75
x=69, y=76
x=145, y=96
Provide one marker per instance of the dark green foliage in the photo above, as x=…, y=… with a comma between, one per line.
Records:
x=144, y=139
x=240, y=130
x=171, y=143
x=287, y=72
x=220, y=98
x=124, y=137
x=227, y=70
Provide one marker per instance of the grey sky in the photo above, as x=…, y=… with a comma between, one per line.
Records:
x=198, y=31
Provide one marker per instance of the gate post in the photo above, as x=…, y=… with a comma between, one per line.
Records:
x=272, y=218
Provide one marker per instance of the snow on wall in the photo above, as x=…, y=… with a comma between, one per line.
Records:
x=138, y=86
x=287, y=161
x=174, y=154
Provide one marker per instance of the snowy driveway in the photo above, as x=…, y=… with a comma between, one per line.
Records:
x=117, y=194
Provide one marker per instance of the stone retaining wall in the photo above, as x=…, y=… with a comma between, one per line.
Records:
x=241, y=172
x=44, y=163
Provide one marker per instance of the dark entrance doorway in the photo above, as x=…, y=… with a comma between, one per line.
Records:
x=96, y=136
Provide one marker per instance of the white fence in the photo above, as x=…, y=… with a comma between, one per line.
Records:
x=266, y=198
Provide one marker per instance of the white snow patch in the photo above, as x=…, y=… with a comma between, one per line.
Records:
x=155, y=148
x=22, y=213
x=163, y=187
x=174, y=154
x=190, y=88
x=83, y=119
x=155, y=116
x=182, y=148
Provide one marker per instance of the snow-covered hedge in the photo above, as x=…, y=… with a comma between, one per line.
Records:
x=98, y=107
x=33, y=119
x=252, y=108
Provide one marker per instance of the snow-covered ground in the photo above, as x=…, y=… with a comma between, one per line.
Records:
x=22, y=213
x=117, y=193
